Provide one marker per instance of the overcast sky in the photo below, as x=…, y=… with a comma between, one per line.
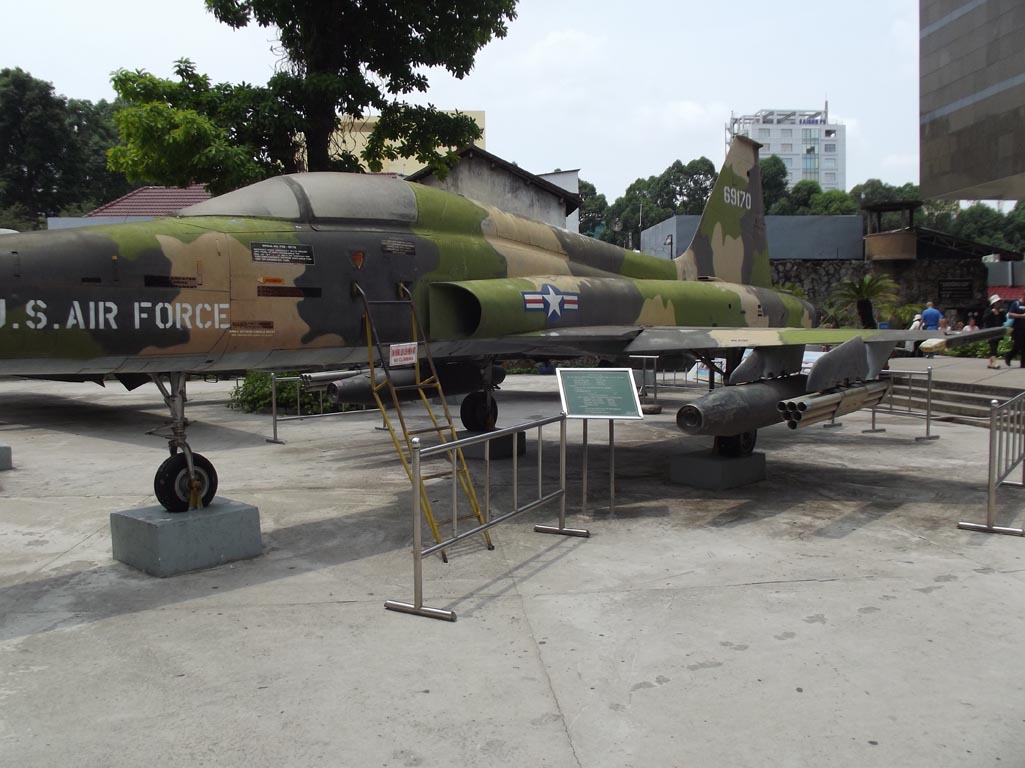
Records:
x=617, y=89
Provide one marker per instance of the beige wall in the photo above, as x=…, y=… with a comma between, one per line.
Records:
x=355, y=133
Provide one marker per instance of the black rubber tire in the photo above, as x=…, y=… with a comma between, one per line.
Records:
x=735, y=446
x=476, y=415
x=171, y=483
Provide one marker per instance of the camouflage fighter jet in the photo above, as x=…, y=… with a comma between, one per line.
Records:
x=268, y=277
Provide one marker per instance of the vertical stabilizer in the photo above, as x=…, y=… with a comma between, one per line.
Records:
x=730, y=242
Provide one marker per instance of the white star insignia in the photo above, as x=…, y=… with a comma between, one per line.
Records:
x=553, y=300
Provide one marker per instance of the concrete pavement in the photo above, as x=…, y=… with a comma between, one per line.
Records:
x=830, y=615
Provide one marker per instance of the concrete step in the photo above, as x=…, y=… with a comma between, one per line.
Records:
x=951, y=401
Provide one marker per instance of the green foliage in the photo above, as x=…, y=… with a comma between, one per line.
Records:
x=254, y=394
x=679, y=189
x=835, y=202
x=774, y=180
x=593, y=210
x=981, y=349
x=178, y=132
x=343, y=57
x=981, y=223
x=51, y=151
x=17, y=217
x=863, y=292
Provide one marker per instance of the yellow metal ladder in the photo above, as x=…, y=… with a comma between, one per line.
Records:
x=427, y=385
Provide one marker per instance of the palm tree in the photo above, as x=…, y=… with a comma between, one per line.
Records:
x=863, y=292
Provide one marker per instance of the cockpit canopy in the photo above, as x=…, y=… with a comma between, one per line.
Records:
x=316, y=196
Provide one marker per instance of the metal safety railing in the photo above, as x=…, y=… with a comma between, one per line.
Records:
x=1006, y=454
x=420, y=454
x=300, y=388
x=890, y=403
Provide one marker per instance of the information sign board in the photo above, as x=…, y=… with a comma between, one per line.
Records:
x=598, y=393
x=402, y=354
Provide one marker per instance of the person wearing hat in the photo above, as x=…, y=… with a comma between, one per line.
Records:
x=916, y=325
x=1016, y=313
x=993, y=317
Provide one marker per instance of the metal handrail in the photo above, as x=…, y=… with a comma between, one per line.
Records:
x=890, y=372
x=451, y=448
x=1006, y=454
x=300, y=416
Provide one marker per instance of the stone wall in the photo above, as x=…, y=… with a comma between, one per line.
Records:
x=918, y=281
x=816, y=278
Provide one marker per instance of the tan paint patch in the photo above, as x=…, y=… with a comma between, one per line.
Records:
x=727, y=256
x=204, y=258
x=657, y=311
x=686, y=266
x=529, y=247
x=524, y=260
x=502, y=225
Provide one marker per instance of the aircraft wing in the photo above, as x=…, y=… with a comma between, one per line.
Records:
x=640, y=340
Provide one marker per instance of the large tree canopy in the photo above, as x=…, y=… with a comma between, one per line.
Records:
x=342, y=58
x=52, y=152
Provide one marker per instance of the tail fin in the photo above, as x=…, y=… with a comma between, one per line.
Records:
x=730, y=242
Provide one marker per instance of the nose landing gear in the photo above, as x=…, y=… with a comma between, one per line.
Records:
x=186, y=480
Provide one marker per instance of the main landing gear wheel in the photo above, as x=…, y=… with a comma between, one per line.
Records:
x=173, y=486
x=479, y=412
x=735, y=446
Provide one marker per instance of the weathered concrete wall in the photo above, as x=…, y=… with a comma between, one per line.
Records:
x=474, y=177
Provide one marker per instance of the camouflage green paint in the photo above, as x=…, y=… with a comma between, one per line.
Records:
x=265, y=277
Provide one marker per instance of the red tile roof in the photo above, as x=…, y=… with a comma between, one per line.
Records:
x=1005, y=292
x=153, y=201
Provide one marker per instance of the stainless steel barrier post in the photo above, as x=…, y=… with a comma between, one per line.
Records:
x=583, y=492
x=274, y=410
x=1006, y=451
x=417, y=607
x=562, y=529
x=874, y=427
x=612, y=465
x=928, y=407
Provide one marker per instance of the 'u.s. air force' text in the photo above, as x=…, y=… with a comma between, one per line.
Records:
x=109, y=316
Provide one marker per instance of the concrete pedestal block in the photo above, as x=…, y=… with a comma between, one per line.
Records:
x=164, y=544
x=501, y=447
x=6, y=460
x=712, y=472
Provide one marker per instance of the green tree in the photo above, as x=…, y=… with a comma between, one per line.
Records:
x=637, y=209
x=1014, y=226
x=593, y=210
x=177, y=132
x=774, y=180
x=683, y=189
x=34, y=141
x=52, y=152
x=835, y=202
x=349, y=57
x=981, y=223
x=93, y=131
x=862, y=293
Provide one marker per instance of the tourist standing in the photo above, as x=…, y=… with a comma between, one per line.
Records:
x=994, y=317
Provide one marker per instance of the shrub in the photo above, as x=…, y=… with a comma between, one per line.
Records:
x=254, y=394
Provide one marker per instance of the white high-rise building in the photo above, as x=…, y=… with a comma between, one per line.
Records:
x=810, y=146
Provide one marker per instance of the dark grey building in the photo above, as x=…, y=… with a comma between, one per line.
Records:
x=972, y=99
x=790, y=237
